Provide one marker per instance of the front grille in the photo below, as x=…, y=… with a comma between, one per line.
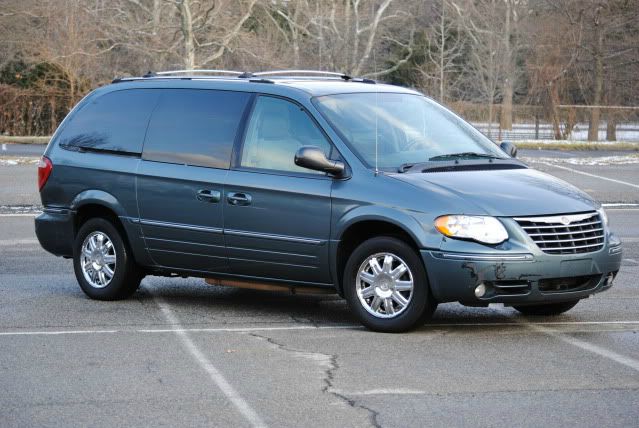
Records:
x=565, y=234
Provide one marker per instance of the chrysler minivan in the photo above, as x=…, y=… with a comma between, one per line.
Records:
x=313, y=182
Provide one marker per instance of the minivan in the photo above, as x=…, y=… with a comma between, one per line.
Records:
x=313, y=182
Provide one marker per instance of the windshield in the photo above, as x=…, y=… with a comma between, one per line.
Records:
x=410, y=129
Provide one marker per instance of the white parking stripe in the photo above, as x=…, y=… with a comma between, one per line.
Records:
x=13, y=242
x=178, y=330
x=587, y=346
x=216, y=376
x=636, y=186
x=301, y=327
x=620, y=206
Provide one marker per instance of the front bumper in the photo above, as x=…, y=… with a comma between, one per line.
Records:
x=520, y=278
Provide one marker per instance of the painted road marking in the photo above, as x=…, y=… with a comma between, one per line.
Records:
x=587, y=346
x=216, y=376
x=636, y=186
x=620, y=206
x=300, y=327
x=13, y=242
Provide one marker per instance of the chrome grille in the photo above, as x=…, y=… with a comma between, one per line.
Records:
x=565, y=234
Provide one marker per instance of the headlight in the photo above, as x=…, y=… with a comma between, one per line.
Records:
x=604, y=217
x=488, y=230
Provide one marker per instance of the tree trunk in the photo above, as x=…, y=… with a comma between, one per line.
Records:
x=611, y=128
x=186, y=26
x=506, y=117
x=506, y=120
x=595, y=112
x=442, y=50
x=553, y=93
x=491, y=115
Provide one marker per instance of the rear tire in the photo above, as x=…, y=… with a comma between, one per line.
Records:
x=386, y=287
x=549, y=309
x=103, y=263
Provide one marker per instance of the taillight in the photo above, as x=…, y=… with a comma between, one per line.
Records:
x=44, y=170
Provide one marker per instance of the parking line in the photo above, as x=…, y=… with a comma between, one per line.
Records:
x=216, y=376
x=636, y=186
x=179, y=329
x=587, y=346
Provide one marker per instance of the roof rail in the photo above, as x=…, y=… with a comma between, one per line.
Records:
x=195, y=71
x=252, y=77
x=294, y=72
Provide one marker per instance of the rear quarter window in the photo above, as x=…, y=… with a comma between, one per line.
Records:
x=195, y=127
x=115, y=121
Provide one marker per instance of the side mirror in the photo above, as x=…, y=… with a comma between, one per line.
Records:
x=312, y=157
x=509, y=148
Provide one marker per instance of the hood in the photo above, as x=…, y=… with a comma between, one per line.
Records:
x=507, y=193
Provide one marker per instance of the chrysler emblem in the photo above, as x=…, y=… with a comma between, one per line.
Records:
x=565, y=221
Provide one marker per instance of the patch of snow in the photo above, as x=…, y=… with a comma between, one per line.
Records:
x=590, y=161
x=11, y=161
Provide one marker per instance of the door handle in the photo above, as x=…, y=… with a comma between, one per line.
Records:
x=237, y=198
x=206, y=195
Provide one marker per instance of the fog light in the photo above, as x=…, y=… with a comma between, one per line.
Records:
x=480, y=290
x=608, y=283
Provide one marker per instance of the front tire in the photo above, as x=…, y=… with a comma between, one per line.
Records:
x=386, y=287
x=103, y=263
x=549, y=309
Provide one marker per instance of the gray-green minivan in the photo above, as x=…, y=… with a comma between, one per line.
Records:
x=318, y=182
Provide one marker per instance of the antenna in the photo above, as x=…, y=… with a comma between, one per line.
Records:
x=376, y=101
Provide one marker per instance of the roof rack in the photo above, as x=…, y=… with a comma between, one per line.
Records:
x=194, y=71
x=245, y=74
x=294, y=72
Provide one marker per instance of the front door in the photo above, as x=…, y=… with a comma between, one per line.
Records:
x=277, y=215
x=180, y=181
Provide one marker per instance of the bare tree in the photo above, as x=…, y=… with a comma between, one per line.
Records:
x=342, y=35
x=444, y=50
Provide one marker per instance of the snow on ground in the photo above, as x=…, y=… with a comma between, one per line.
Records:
x=591, y=161
x=21, y=160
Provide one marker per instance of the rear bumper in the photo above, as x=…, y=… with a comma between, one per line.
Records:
x=54, y=229
x=520, y=278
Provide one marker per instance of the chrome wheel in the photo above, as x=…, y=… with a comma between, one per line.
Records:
x=97, y=259
x=384, y=285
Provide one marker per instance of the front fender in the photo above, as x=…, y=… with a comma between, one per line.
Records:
x=410, y=222
x=415, y=224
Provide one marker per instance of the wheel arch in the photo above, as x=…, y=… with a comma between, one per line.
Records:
x=357, y=229
x=98, y=203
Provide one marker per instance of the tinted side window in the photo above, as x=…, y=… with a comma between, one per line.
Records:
x=113, y=121
x=195, y=127
x=277, y=129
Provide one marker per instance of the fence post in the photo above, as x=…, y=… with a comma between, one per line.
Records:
x=536, y=123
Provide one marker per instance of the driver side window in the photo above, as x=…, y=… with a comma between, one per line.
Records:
x=276, y=130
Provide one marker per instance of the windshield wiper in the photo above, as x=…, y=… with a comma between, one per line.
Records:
x=464, y=155
x=405, y=167
x=408, y=165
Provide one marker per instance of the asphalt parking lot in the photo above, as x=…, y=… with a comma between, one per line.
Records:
x=182, y=353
